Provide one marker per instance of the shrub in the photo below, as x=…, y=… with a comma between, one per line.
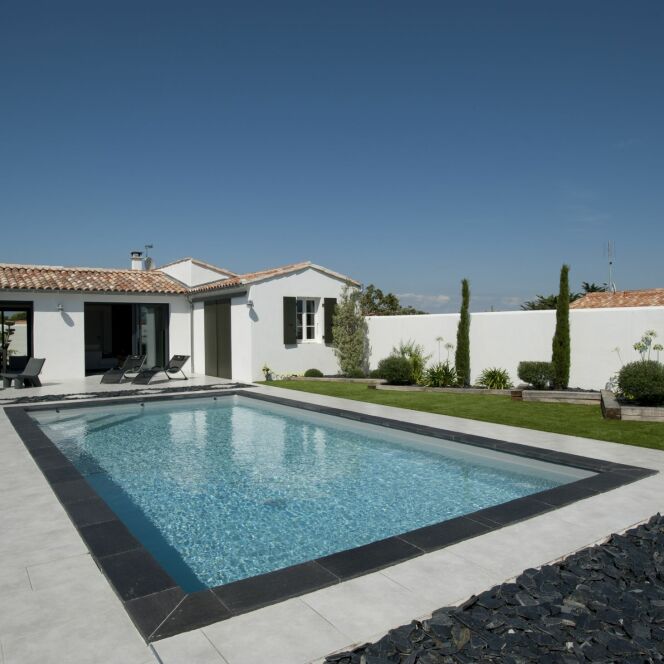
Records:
x=396, y=370
x=560, y=357
x=643, y=382
x=494, y=378
x=414, y=353
x=440, y=375
x=356, y=373
x=537, y=374
x=462, y=355
x=313, y=373
x=375, y=373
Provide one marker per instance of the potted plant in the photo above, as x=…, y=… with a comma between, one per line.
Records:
x=267, y=372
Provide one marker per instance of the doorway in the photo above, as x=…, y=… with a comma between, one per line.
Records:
x=15, y=335
x=218, y=339
x=114, y=331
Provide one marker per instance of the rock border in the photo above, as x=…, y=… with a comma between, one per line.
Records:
x=602, y=604
x=339, y=379
x=444, y=390
x=557, y=396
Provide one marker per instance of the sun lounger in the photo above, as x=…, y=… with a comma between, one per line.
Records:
x=29, y=377
x=132, y=364
x=173, y=367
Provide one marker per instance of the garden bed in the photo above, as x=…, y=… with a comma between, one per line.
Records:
x=584, y=398
x=445, y=390
x=613, y=409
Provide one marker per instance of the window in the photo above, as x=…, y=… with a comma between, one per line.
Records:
x=305, y=319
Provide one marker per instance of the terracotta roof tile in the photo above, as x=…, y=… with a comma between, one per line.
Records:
x=86, y=279
x=651, y=297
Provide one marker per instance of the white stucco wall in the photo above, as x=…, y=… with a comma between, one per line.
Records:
x=192, y=274
x=267, y=339
x=59, y=335
x=504, y=338
x=242, y=334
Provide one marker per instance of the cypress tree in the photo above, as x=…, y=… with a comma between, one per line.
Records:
x=462, y=353
x=560, y=358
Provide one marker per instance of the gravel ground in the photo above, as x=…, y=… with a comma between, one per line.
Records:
x=602, y=604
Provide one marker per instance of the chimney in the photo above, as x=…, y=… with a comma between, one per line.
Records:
x=137, y=262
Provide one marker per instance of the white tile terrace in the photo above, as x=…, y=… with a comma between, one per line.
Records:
x=58, y=607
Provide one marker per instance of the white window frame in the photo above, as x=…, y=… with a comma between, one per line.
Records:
x=299, y=320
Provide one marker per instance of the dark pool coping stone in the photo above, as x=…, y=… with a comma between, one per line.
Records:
x=159, y=607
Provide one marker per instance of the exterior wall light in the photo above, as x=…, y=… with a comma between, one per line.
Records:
x=250, y=304
x=60, y=306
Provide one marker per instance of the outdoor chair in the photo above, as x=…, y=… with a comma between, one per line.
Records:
x=29, y=377
x=132, y=364
x=174, y=366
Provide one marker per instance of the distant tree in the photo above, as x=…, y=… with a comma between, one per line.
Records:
x=349, y=331
x=551, y=301
x=373, y=302
x=593, y=287
x=560, y=358
x=541, y=302
x=462, y=355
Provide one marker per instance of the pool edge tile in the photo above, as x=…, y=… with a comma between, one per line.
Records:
x=258, y=591
x=369, y=557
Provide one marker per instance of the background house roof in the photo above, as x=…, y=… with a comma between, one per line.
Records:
x=651, y=297
x=87, y=279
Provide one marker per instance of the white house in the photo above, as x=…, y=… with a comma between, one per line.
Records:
x=83, y=320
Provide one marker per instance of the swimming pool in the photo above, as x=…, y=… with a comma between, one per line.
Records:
x=226, y=489
x=224, y=486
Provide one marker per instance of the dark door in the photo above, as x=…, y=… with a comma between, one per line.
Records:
x=218, y=339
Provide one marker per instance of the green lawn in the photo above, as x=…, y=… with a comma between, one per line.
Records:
x=586, y=421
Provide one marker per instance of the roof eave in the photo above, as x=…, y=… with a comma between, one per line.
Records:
x=90, y=292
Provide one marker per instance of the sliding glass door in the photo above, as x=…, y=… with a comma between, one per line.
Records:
x=115, y=330
x=152, y=333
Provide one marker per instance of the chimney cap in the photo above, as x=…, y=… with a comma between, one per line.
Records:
x=136, y=254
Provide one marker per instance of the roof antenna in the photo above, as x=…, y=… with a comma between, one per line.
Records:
x=611, y=254
x=149, y=263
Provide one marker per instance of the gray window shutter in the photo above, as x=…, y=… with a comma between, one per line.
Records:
x=290, y=333
x=329, y=306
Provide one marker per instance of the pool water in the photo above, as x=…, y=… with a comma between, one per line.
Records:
x=221, y=490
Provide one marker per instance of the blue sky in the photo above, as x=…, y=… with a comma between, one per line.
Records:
x=406, y=144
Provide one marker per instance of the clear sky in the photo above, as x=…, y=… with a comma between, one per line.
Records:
x=408, y=144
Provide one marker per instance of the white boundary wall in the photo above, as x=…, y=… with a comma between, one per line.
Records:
x=505, y=338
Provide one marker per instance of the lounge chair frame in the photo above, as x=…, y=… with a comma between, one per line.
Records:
x=173, y=367
x=133, y=364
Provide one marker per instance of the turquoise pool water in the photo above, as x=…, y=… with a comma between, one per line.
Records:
x=221, y=490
